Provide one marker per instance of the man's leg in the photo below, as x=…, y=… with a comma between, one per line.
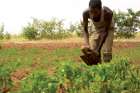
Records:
x=107, y=47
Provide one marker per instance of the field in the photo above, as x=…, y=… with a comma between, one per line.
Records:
x=55, y=67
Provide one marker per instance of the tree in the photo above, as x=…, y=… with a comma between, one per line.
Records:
x=30, y=32
x=49, y=28
x=2, y=32
x=7, y=36
x=76, y=29
x=126, y=23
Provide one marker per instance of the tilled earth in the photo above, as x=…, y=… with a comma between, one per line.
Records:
x=19, y=74
x=53, y=45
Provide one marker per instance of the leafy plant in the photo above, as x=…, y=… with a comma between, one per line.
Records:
x=5, y=79
x=39, y=82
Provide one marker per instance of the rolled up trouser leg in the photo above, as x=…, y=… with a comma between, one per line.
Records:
x=107, y=57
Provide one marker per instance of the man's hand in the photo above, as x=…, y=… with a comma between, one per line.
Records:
x=85, y=49
x=85, y=46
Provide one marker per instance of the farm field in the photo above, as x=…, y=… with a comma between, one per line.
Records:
x=55, y=67
x=41, y=43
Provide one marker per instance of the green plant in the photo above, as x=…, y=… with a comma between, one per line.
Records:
x=39, y=82
x=5, y=79
x=57, y=70
x=30, y=32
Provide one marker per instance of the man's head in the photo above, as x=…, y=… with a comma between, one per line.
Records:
x=95, y=7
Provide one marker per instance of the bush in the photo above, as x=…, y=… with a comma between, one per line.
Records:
x=76, y=29
x=7, y=36
x=30, y=32
x=2, y=32
x=1, y=36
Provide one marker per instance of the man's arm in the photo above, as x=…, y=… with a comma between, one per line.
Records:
x=85, y=27
x=108, y=19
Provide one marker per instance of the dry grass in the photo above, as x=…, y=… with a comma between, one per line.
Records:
x=136, y=39
x=67, y=40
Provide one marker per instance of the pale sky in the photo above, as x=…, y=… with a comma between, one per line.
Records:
x=15, y=14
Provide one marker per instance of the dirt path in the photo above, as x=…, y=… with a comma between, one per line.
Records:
x=55, y=45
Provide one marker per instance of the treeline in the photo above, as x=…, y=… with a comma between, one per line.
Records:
x=126, y=26
x=51, y=29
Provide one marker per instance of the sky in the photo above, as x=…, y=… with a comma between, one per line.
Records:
x=15, y=14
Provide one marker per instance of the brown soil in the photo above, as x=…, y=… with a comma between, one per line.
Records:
x=52, y=46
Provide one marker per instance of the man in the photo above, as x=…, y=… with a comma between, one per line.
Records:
x=102, y=18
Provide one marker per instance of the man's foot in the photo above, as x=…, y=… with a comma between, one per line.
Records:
x=107, y=57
